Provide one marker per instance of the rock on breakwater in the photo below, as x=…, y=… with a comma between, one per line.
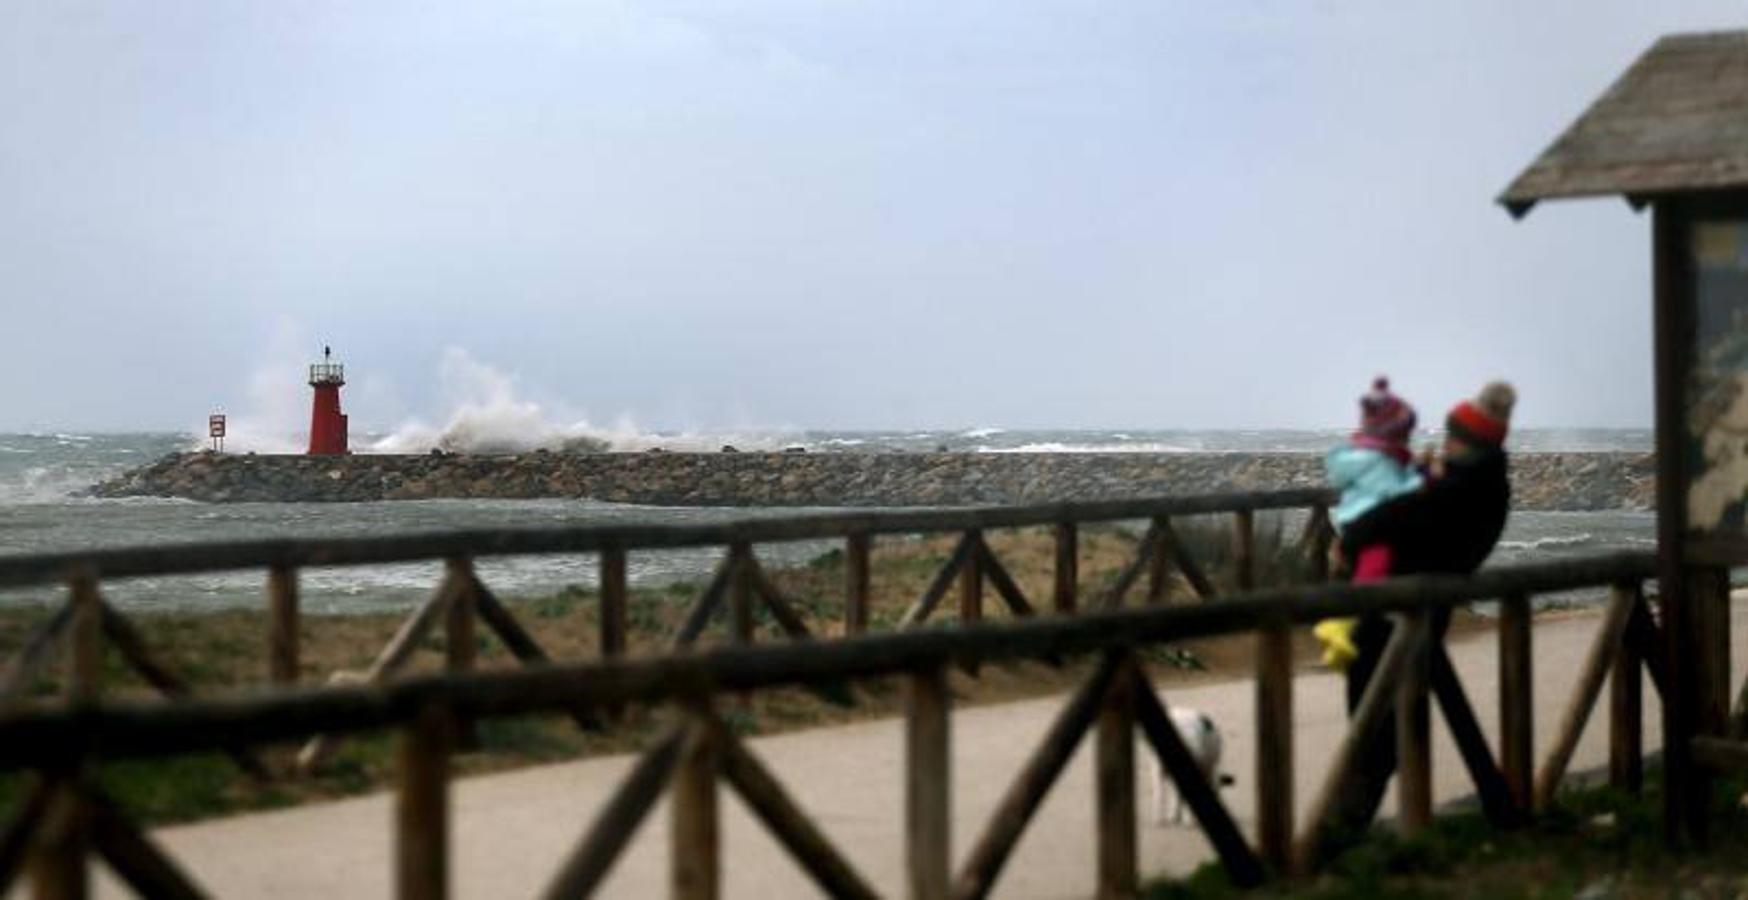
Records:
x=1542, y=481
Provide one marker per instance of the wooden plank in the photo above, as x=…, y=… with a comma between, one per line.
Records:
x=395, y=654
x=1065, y=585
x=1673, y=342
x=460, y=648
x=283, y=620
x=1642, y=631
x=1315, y=541
x=613, y=602
x=1626, y=758
x=1739, y=714
x=971, y=582
x=131, y=646
x=160, y=560
x=1114, y=792
x=1709, y=640
x=1274, y=745
x=38, y=651
x=1586, y=688
x=920, y=610
x=1364, y=729
x=140, y=862
x=785, y=820
x=1414, y=734
x=422, y=806
x=1241, y=863
x=782, y=609
x=1723, y=754
x=502, y=623
x=405, y=642
x=20, y=829
x=84, y=640
x=740, y=595
x=928, y=795
x=1005, y=588
x=617, y=822
x=1145, y=550
x=977, y=877
x=1712, y=614
x=1158, y=569
x=1517, y=701
x=521, y=644
x=856, y=582
x=58, y=868
x=1244, y=550
x=835, y=692
x=1180, y=555
x=1497, y=802
x=695, y=845
x=699, y=615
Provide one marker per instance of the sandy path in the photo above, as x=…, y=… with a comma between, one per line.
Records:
x=511, y=830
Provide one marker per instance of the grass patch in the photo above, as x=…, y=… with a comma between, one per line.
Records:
x=1598, y=841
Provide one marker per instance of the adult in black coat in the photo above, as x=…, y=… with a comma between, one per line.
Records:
x=1448, y=527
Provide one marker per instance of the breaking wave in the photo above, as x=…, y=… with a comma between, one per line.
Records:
x=488, y=415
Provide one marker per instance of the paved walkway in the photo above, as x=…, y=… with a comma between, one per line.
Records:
x=512, y=830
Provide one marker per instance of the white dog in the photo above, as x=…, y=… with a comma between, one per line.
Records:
x=1203, y=741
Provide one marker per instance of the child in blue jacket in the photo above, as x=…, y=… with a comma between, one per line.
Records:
x=1374, y=465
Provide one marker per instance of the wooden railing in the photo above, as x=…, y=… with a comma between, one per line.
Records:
x=66, y=815
x=461, y=599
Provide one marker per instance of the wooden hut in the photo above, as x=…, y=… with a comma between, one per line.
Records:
x=1671, y=134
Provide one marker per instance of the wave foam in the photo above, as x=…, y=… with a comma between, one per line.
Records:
x=489, y=416
x=1572, y=540
x=1062, y=447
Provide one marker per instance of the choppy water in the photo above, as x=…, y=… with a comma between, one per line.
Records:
x=39, y=473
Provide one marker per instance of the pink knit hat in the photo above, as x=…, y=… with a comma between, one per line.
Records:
x=1384, y=415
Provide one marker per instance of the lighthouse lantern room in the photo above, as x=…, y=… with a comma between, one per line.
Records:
x=327, y=423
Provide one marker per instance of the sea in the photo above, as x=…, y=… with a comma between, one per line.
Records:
x=43, y=509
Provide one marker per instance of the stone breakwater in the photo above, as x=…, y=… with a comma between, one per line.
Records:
x=1542, y=481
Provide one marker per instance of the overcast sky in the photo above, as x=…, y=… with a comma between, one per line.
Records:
x=813, y=214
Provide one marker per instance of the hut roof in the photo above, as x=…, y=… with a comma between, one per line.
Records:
x=1676, y=121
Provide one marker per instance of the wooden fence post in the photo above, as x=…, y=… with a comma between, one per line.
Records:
x=856, y=548
x=460, y=646
x=971, y=581
x=58, y=857
x=1067, y=583
x=283, y=660
x=695, y=846
x=1158, y=567
x=1516, y=702
x=1115, y=791
x=1626, y=765
x=1244, y=549
x=740, y=593
x=928, y=785
x=613, y=601
x=85, y=640
x=422, y=806
x=1320, y=540
x=1414, y=732
x=1274, y=745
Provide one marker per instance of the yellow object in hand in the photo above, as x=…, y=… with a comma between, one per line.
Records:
x=1336, y=635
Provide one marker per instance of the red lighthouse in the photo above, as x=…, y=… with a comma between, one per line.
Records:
x=327, y=423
